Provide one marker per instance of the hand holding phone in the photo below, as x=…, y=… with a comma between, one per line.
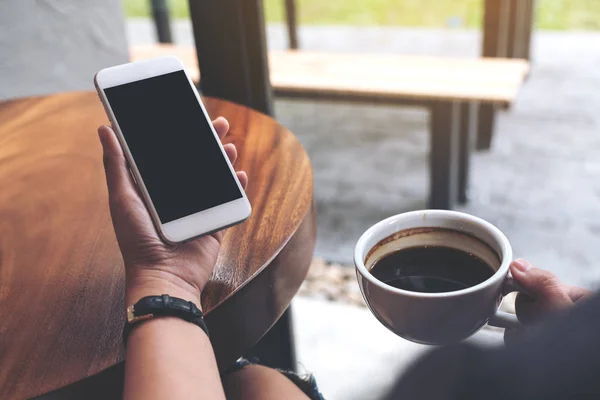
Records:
x=163, y=142
x=152, y=266
x=188, y=186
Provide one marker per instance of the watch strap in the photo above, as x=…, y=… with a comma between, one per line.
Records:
x=163, y=306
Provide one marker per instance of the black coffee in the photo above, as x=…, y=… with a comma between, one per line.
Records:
x=431, y=269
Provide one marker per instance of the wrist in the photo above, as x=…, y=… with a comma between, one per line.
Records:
x=156, y=283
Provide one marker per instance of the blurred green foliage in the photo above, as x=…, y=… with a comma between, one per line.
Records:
x=550, y=14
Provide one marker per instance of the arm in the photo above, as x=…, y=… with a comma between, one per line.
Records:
x=169, y=358
x=166, y=357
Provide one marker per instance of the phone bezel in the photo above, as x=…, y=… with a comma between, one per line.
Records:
x=194, y=225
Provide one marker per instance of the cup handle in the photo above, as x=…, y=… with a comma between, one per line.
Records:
x=502, y=319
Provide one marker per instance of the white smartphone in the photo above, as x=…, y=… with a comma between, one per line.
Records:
x=175, y=156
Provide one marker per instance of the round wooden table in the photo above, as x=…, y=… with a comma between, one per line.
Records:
x=61, y=273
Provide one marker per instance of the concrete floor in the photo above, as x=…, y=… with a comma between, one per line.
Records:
x=540, y=183
x=353, y=356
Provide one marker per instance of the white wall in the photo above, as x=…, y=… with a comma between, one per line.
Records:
x=49, y=46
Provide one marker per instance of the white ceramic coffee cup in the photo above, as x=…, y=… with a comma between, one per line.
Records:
x=437, y=318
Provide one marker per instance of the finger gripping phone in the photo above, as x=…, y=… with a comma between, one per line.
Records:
x=182, y=171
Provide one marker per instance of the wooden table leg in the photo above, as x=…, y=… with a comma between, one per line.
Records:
x=485, y=126
x=276, y=349
x=468, y=130
x=445, y=121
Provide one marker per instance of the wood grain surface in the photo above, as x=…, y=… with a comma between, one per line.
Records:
x=61, y=274
x=393, y=75
x=389, y=77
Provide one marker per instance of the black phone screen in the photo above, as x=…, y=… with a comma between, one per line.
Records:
x=172, y=145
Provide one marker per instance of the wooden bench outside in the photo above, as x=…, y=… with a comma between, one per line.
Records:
x=452, y=89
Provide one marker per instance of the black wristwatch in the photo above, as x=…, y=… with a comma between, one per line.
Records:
x=162, y=306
